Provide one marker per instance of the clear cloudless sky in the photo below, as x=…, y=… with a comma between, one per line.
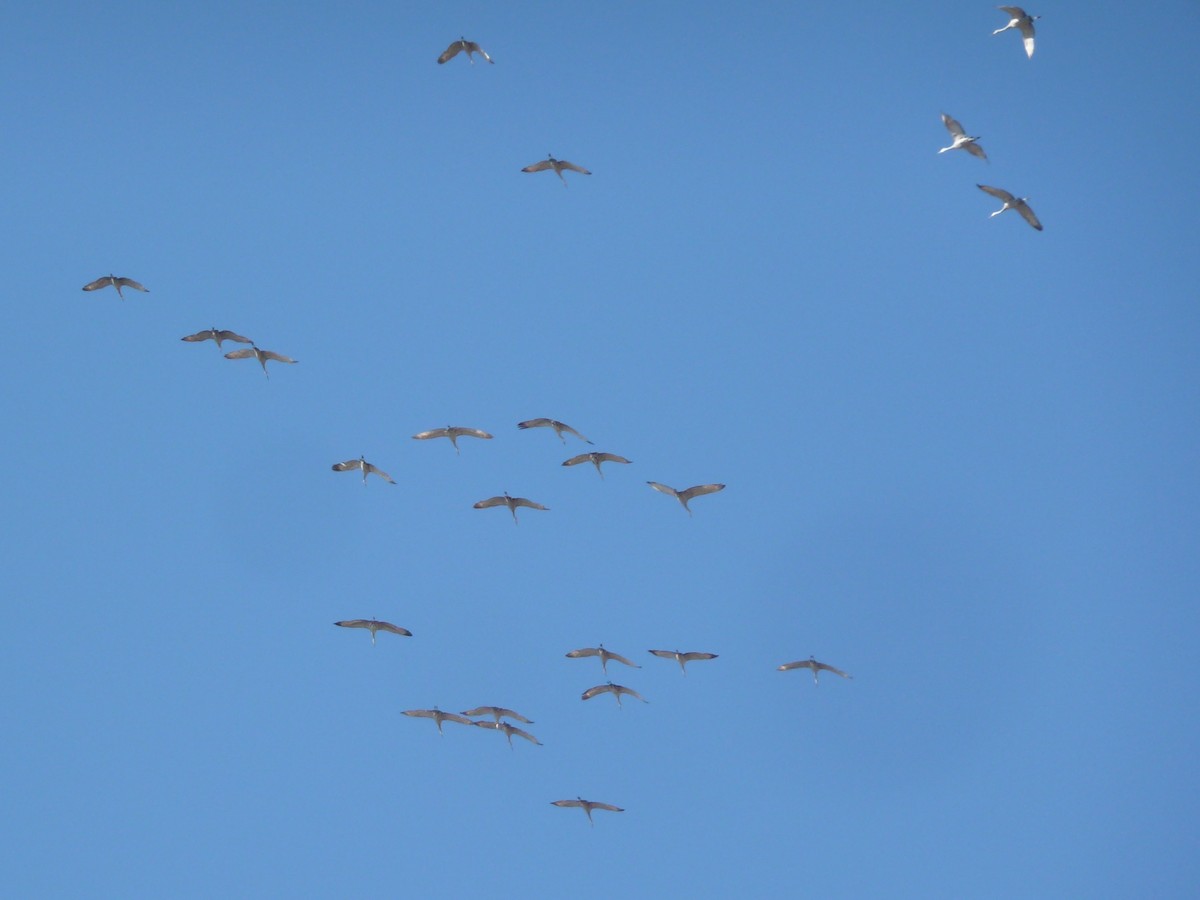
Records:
x=961, y=455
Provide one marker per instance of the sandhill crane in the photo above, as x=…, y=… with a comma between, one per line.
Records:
x=509, y=731
x=460, y=45
x=1011, y=202
x=454, y=432
x=213, y=334
x=615, y=689
x=587, y=806
x=1022, y=21
x=605, y=656
x=374, y=625
x=559, y=428
x=595, y=459
x=497, y=713
x=116, y=282
x=683, y=658
x=961, y=140
x=511, y=502
x=557, y=165
x=816, y=667
x=252, y=352
x=367, y=469
x=438, y=716
x=684, y=496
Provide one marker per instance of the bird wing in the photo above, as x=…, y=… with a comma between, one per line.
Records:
x=597, y=690
x=974, y=149
x=1015, y=11
x=566, y=803
x=470, y=432
x=621, y=659
x=450, y=52
x=378, y=471
x=508, y=713
x=199, y=335
x=1026, y=27
x=695, y=654
x=576, y=460
x=611, y=457
x=492, y=725
x=354, y=623
x=531, y=423
x=98, y=283
x=621, y=689
x=799, y=664
x=998, y=193
x=279, y=357
x=240, y=354
x=129, y=282
x=700, y=490
x=432, y=433
x=952, y=125
x=563, y=426
x=829, y=668
x=597, y=805
x=346, y=466
x=536, y=167
x=480, y=711
x=421, y=713
x=513, y=729
x=666, y=654
x=231, y=336
x=455, y=717
x=490, y=502
x=663, y=488
x=394, y=629
x=574, y=168
x=521, y=501
x=586, y=651
x=1027, y=214
x=474, y=47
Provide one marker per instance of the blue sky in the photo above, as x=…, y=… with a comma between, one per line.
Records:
x=960, y=454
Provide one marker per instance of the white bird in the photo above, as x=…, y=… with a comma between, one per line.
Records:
x=559, y=428
x=463, y=44
x=557, y=165
x=214, y=335
x=1022, y=21
x=453, y=432
x=961, y=140
x=116, y=282
x=367, y=469
x=438, y=716
x=509, y=731
x=595, y=459
x=684, y=496
x=497, y=712
x=1011, y=202
x=511, y=502
x=587, y=806
x=683, y=658
x=262, y=356
x=816, y=667
x=605, y=656
x=374, y=625
x=615, y=689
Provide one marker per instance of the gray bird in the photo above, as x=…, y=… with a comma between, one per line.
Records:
x=816, y=667
x=453, y=432
x=460, y=45
x=683, y=658
x=374, y=625
x=961, y=140
x=1022, y=21
x=559, y=428
x=262, y=356
x=615, y=689
x=684, y=496
x=557, y=165
x=509, y=731
x=511, y=502
x=1011, y=202
x=605, y=656
x=367, y=469
x=587, y=806
x=114, y=281
x=497, y=713
x=595, y=459
x=438, y=716
x=213, y=334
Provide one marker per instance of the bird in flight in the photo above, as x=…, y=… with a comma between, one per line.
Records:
x=557, y=165
x=595, y=459
x=438, y=716
x=509, y=731
x=453, y=432
x=559, y=428
x=460, y=45
x=1011, y=202
x=615, y=689
x=683, y=658
x=116, y=282
x=605, y=656
x=252, y=352
x=816, y=667
x=961, y=140
x=587, y=806
x=511, y=502
x=684, y=496
x=367, y=469
x=374, y=625
x=1020, y=20
x=497, y=713
x=213, y=334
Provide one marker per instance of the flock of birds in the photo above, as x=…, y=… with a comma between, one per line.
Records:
x=1023, y=22
x=497, y=718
